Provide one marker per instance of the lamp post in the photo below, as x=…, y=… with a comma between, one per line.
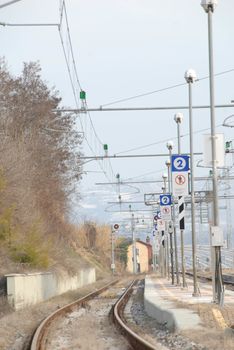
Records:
x=190, y=76
x=133, y=241
x=218, y=294
x=168, y=164
x=178, y=119
x=169, y=147
x=170, y=231
x=164, y=234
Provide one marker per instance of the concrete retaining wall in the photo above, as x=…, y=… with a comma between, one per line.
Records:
x=166, y=312
x=158, y=308
x=27, y=289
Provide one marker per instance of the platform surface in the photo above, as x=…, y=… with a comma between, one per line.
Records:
x=180, y=310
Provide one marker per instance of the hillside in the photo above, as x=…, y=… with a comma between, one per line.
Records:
x=39, y=169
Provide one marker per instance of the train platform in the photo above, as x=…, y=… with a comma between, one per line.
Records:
x=177, y=308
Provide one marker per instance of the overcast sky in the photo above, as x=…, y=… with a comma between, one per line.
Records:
x=125, y=48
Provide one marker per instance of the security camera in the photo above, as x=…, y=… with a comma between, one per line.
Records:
x=209, y=5
x=170, y=145
x=190, y=75
x=178, y=117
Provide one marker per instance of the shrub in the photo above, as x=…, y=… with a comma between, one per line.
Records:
x=31, y=250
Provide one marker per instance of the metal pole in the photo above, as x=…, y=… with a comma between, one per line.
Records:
x=174, y=230
x=112, y=252
x=194, y=250
x=219, y=290
x=181, y=231
x=133, y=246
x=170, y=234
x=129, y=109
x=229, y=215
x=162, y=247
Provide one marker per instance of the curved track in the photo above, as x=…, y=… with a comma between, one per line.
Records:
x=40, y=336
x=134, y=339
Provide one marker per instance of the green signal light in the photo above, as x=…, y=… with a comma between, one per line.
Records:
x=82, y=95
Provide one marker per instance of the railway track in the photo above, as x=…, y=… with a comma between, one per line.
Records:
x=137, y=342
x=228, y=280
x=41, y=337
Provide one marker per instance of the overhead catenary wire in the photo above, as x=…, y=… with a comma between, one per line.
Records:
x=9, y=3
x=163, y=141
x=63, y=14
x=162, y=89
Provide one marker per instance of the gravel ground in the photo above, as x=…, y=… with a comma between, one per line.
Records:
x=16, y=328
x=89, y=328
x=151, y=330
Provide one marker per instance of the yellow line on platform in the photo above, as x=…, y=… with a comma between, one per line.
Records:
x=167, y=290
x=219, y=318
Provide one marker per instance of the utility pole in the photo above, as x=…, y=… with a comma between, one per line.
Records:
x=170, y=146
x=112, y=251
x=165, y=235
x=209, y=7
x=170, y=229
x=133, y=242
x=178, y=119
x=190, y=77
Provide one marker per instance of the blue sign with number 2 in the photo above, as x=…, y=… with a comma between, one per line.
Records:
x=179, y=163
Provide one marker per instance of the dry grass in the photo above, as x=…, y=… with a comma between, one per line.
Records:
x=212, y=339
x=16, y=328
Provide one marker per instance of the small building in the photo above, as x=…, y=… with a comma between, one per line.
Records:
x=143, y=257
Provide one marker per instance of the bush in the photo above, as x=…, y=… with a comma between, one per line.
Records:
x=31, y=250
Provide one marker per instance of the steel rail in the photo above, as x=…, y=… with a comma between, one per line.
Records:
x=134, y=339
x=40, y=336
x=227, y=279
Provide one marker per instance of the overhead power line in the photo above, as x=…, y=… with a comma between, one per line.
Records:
x=162, y=89
x=76, y=82
x=9, y=3
x=163, y=141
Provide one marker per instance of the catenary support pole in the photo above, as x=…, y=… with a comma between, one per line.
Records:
x=174, y=223
x=178, y=119
x=190, y=77
x=219, y=289
x=168, y=164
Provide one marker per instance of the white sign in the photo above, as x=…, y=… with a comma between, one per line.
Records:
x=157, y=244
x=180, y=184
x=112, y=266
x=161, y=225
x=166, y=212
x=207, y=150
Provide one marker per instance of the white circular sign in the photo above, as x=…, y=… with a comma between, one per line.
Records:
x=179, y=163
x=165, y=200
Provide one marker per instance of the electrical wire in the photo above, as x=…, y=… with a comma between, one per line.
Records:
x=63, y=14
x=165, y=140
x=162, y=89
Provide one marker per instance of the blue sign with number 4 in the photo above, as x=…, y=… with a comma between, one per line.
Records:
x=179, y=163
